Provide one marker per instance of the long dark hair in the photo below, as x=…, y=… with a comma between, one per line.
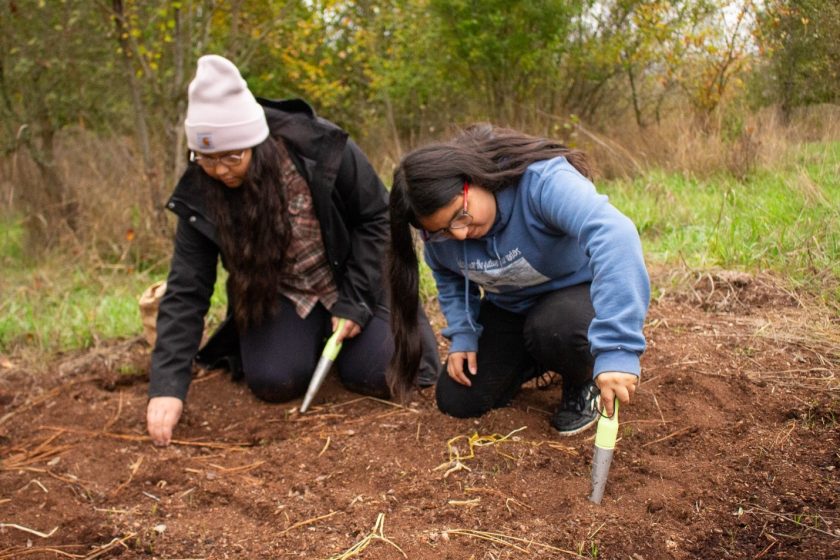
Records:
x=253, y=229
x=428, y=179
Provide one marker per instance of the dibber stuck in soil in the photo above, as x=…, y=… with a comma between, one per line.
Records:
x=602, y=458
x=328, y=356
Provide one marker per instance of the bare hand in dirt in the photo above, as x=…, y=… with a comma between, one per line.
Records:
x=615, y=384
x=162, y=415
x=351, y=329
x=455, y=366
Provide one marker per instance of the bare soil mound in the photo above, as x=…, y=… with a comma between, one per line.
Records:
x=729, y=450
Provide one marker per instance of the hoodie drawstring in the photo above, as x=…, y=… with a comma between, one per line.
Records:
x=467, y=289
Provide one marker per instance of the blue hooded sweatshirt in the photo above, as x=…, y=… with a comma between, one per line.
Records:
x=552, y=231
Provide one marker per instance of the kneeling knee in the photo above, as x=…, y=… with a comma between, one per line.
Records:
x=460, y=407
x=276, y=389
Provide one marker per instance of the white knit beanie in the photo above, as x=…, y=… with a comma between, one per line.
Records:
x=222, y=113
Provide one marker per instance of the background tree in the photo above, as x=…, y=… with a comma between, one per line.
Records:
x=800, y=44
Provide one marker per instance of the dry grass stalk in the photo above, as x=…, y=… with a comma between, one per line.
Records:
x=110, y=546
x=27, y=458
x=308, y=522
x=17, y=552
x=326, y=446
x=469, y=503
x=669, y=436
x=374, y=417
x=499, y=493
x=374, y=399
x=557, y=446
x=45, y=397
x=116, y=416
x=234, y=470
x=510, y=541
x=132, y=471
x=376, y=534
x=761, y=510
x=313, y=415
x=34, y=402
x=28, y=530
x=656, y=402
x=130, y=437
x=456, y=460
x=37, y=483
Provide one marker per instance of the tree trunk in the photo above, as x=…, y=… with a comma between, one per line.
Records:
x=140, y=118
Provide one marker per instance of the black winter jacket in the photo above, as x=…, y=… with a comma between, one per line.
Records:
x=350, y=202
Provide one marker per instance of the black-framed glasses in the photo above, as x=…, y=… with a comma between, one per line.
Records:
x=460, y=221
x=211, y=162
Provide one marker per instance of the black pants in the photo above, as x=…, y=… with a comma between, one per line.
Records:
x=513, y=348
x=279, y=356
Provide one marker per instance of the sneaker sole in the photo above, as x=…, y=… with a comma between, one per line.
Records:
x=579, y=430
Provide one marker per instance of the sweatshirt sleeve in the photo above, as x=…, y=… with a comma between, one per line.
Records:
x=458, y=306
x=620, y=292
x=180, y=321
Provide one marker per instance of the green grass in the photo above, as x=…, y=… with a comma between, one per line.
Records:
x=785, y=220
x=61, y=303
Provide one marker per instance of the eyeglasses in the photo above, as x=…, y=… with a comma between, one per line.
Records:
x=460, y=221
x=210, y=163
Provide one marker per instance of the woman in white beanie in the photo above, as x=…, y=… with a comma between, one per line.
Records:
x=299, y=219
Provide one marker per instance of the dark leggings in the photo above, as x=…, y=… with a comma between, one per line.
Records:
x=279, y=356
x=513, y=348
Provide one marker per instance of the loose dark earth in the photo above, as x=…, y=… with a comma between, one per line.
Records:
x=731, y=449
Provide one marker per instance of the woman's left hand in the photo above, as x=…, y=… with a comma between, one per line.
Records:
x=615, y=384
x=350, y=329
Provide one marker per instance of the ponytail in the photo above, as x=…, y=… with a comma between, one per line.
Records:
x=404, y=294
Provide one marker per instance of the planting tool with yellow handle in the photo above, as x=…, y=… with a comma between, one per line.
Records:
x=328, y=356
x=602, y=458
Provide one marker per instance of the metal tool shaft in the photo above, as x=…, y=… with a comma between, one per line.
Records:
x=328, y=356
x=605, y=438
x=321, y=371
x=601, y=460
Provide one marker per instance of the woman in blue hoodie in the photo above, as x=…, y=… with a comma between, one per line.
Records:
x=535, y=272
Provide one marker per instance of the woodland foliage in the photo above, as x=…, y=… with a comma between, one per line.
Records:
x=393, y=72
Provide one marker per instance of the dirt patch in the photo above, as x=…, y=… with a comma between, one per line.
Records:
x=730, y=450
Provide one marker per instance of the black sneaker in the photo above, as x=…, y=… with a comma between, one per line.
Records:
x=578, y=410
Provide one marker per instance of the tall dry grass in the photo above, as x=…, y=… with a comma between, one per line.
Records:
x=679, y=144
x=119, y=209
